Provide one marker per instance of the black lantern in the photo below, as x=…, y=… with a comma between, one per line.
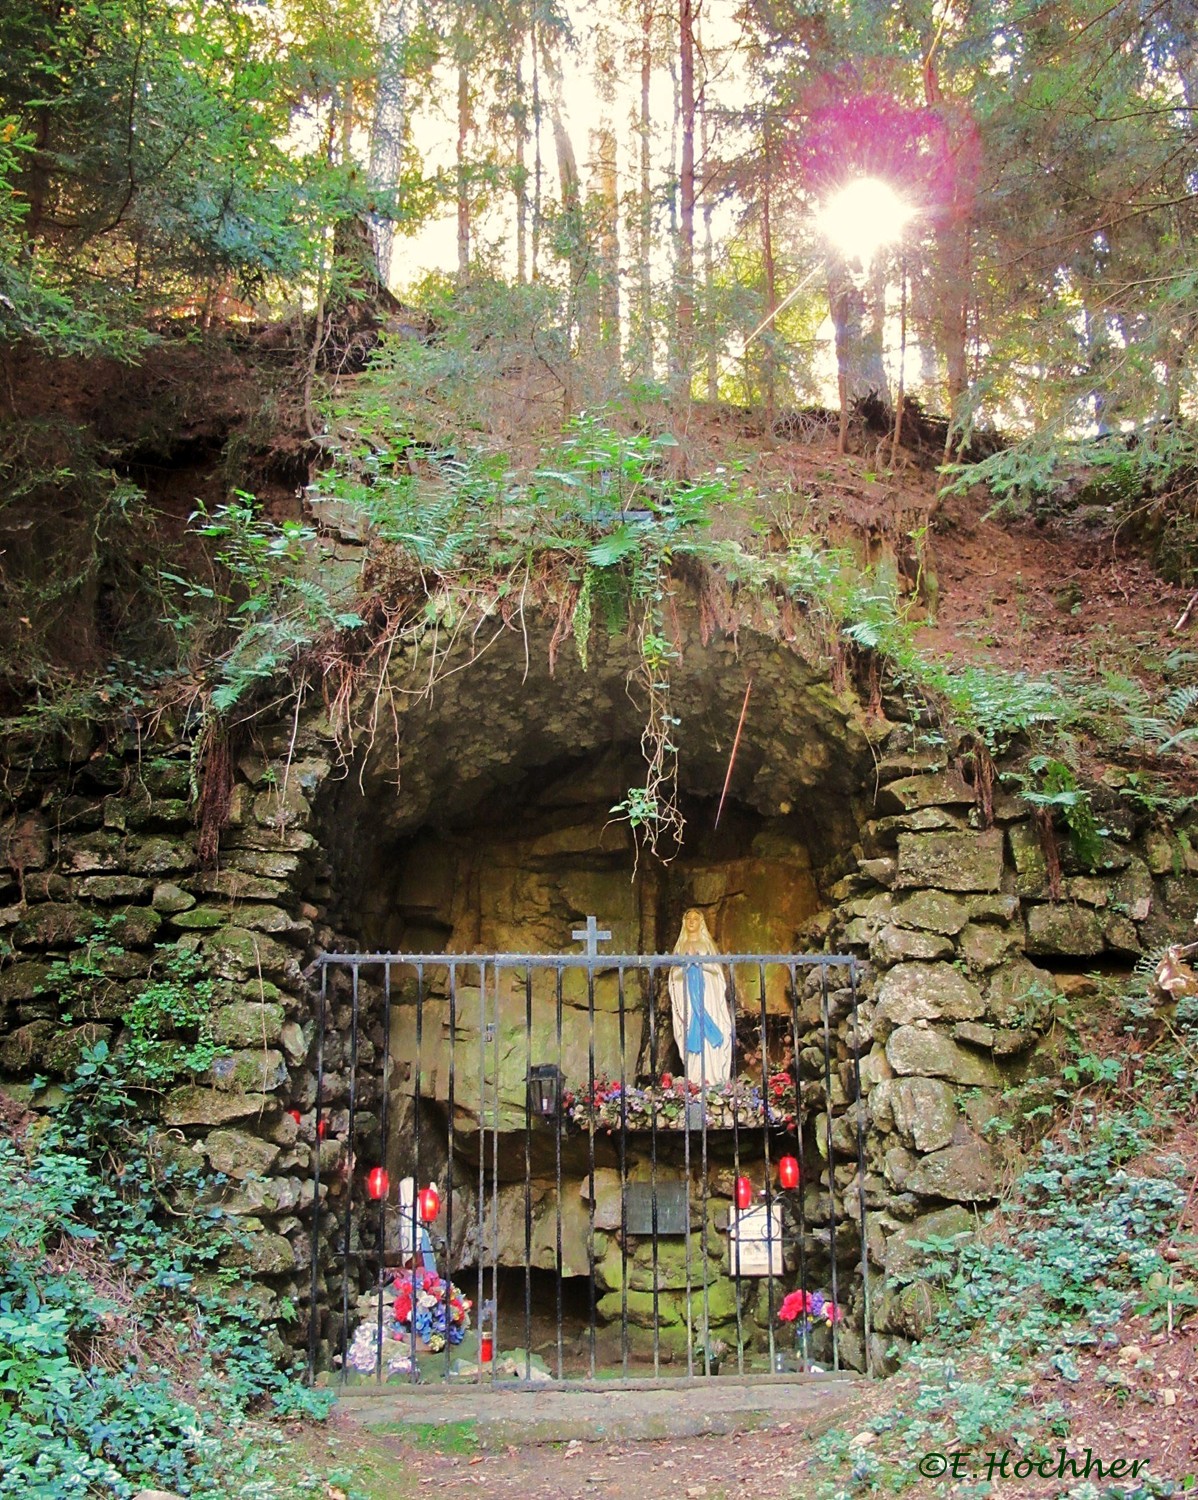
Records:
x=544, y=1091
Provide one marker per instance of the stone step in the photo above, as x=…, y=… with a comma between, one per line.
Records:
x=611, y=1411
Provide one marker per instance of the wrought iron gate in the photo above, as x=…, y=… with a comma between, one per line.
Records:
x=468, y=1072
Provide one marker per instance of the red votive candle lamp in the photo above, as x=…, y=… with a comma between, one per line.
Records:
x=744, y=1193
x=295, y=1115
x=486, y=1348
x=430, y=1203
x=322, y=1129
x=377, y=1183
x=788, y=1171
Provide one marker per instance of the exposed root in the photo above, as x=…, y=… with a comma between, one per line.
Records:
x=215, y=788
x=1052, y=850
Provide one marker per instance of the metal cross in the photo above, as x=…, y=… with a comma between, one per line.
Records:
x=592, y=937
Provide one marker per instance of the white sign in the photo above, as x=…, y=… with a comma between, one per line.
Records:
x=755, y=1242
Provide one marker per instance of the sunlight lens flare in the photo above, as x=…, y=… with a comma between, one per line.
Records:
x=862, y=217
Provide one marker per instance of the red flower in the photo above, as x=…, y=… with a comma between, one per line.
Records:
x=794, y=1304
x=667, y=1080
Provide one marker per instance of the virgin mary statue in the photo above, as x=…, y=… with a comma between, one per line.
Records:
x=698, y=999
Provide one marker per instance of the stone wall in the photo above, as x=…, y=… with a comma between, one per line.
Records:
x=967, y=953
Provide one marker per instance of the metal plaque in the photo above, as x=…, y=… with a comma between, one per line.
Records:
x=672, y=1208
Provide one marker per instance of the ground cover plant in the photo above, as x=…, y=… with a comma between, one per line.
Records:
x=132, y=1353
x=1064, y=1324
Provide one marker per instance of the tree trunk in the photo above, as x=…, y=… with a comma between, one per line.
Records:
x=463, y=186
x=771, y=291
x=537, y=159
x=607, y=185
x=521, y=170
x=645, y=221
x=711, y=339
x=685, y=315
x=857, y=326
x=389, y=126
x=571, y=197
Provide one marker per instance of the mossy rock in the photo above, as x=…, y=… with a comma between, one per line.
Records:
x=238, y=885
x=244, y=1024
x=201, y=918
x=54, y=924
x=924, y=1111
x=170, y=899
x=1065, y=930
x=939, y=789
x=238, y=1154
x=913, y=1051
x=955, y=1223
x=254, y=1070
x=194, y=1105
x=965, y=1174
x=63, y=1052
x=263, y=1254
x=23, y=980
x=24, y=1050
x=896, y=945
x=671, y=1309
x=160, y=856
x=985, y=947
x=926, y=992
x=89, y=853
x=135, y=926
x=1020, y=996
x=951, y=861
x=108, y=889
x=24, y=842
x=236, y=953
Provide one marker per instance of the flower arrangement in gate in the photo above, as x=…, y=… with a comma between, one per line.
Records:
x=417, y=1301
x=741, y=1102
x=434, y=1308
x=811, y=1308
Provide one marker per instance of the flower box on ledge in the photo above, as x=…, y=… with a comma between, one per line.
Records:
x=675, y=1104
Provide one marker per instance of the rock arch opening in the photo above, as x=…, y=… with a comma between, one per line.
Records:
x=484, y=825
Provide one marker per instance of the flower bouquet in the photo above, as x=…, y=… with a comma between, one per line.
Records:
x=806, y=1310
x=421, y=1311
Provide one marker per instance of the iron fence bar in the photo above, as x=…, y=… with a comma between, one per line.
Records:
x=599, y=961
x=767, y=1110
x=450, y=1158
x=860, y=1110
x=804, y=1330
x=623, y=1177
x=735, y=1212
x=382, y=1200
x=351, y=1172
x=591, y=1169
x=495, y=1173
x=653, y=1222
x=557, y=1176
x=482, y=1166
x=703, y=1239
x=314, y=1247
x=417, y=1216
x=527, y=1177
x=686, y=1166
x=825, y=1006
